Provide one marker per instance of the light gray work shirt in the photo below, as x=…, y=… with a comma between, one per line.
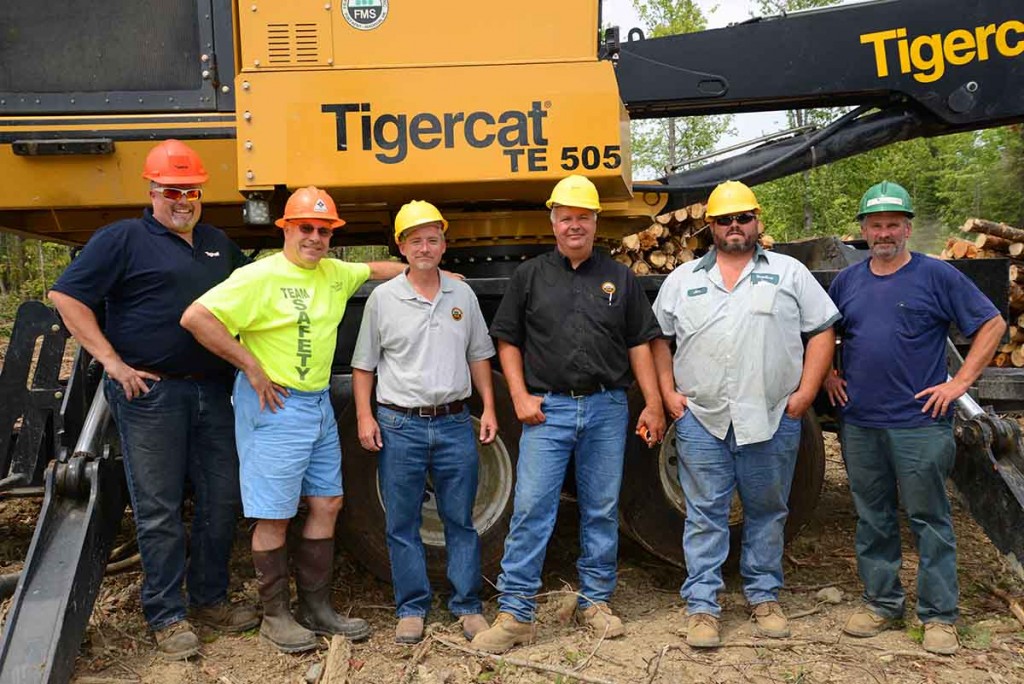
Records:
x=421, y=349
x=739, y=354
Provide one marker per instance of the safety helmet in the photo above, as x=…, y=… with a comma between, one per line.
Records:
x=417, y=213
x=575, y=191
x=731, y=197
x=173, y=162
x=310, y=203
x=885, y=196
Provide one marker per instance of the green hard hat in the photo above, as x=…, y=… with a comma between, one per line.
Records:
x=885, y=196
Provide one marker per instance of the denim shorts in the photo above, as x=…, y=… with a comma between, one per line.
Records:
x=285, y=454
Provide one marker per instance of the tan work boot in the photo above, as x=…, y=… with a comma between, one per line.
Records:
x=867, y=623
x=472, y=624
x=279, y=627
x=177, y=642
x=941, y=638
x=409, y=630
x=702, y=631
x=600, y=618
x=505, y=633
x=225, y=617
x=770, y=620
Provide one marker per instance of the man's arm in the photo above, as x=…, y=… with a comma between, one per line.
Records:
x=385, y=270
x=983, y=348
x=528, y=407
x=651, y=424
x=368, y=428
x=817, y=363
x=212, y=334
x=81, y=322
x=674, y=402
x=480, y=372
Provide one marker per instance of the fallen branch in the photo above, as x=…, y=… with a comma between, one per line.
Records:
x=418, y=654
x=1014, y=604
x=540, y=667
x=336, y=665
x=805, y=613
x=652, y=673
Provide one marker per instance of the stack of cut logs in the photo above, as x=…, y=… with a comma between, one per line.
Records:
x=674, y=238
x=998, y=240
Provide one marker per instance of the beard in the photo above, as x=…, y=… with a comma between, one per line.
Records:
x=745, y=245
x=885, y=250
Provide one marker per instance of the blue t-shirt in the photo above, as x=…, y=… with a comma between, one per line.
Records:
x=894, y=331
x=145, y=277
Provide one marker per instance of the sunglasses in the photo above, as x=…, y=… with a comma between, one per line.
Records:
x=742, y=219
x=175, y=194
x=309, y=229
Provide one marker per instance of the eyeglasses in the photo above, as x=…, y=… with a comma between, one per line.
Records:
x=309, y=228
x=175, y=194
x=742, y=219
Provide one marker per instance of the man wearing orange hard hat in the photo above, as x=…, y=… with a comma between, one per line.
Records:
x=170, y=397
x=285, y=311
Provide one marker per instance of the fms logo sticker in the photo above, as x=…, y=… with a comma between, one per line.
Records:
x=364, y=15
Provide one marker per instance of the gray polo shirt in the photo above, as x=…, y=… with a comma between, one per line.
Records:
x=739, y=354
x=421, y=349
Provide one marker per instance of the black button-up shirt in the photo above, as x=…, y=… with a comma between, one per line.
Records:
x=574, y=327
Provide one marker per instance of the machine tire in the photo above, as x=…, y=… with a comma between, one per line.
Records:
x=652, y=506
x=361, y=523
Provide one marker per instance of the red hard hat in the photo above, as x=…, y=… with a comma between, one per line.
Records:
x=310, y=203
x=174, y=162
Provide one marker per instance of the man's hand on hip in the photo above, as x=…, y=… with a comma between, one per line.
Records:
x=131, y=380
x=941, y=397
x=675, y=404
x=271, y=394
x=528, y=409
x=798, y=404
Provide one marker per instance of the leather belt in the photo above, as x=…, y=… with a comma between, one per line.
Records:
x=198, y=377
x=428, y=411
x=576, y=393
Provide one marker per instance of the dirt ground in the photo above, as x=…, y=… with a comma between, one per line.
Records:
x=118, y=647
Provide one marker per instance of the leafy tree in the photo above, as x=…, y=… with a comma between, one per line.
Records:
x=660, y=144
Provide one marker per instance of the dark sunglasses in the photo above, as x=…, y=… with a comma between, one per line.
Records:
x=742, y=219
x=309, y=229
x=175, y=194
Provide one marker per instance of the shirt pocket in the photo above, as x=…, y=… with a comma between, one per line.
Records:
x=913, y=322
x=762, y=301
x=695, y=308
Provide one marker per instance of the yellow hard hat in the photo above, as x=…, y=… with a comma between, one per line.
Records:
x=575, y=191
x=417, y=213
x=731, y=197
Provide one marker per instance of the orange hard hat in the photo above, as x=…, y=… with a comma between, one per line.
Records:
x=310, y=203
x=174, y=162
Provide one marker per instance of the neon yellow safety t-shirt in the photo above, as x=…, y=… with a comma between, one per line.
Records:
x=288, y=316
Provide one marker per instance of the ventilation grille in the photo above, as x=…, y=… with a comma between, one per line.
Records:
x=293, y=44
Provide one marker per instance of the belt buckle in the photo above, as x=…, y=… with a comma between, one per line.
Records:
x=427, y=411
x=577, y=395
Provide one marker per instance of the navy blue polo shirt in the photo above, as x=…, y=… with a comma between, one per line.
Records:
x=145, y=277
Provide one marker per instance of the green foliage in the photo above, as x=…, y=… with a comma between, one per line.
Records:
x=659, y=144
x=27, y=270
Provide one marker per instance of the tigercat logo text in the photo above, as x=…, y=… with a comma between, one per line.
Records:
x=392, y=135
x=926, y=56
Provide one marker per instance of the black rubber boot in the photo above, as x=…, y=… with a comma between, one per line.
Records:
x=314, y=561
x=279, y=627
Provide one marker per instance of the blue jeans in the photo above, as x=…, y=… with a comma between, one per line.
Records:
x=444, y=448
x=709, y=470
x=886, y=466
x=181, y=429
x=594, y=428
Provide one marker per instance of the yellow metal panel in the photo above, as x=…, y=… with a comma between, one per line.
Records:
x=285, y=35
x=447, y=134
x=421, y=33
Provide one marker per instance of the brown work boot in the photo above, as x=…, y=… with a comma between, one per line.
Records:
x=225, y=617
x=279, y=627
x=472, y=624
x=409, y=630
x=867, y=623
x=177, y=642
x=314, y=561
x=770, y=620
x=600, y=618
x=941, y=638
x=702, y=631
x=505, y=633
